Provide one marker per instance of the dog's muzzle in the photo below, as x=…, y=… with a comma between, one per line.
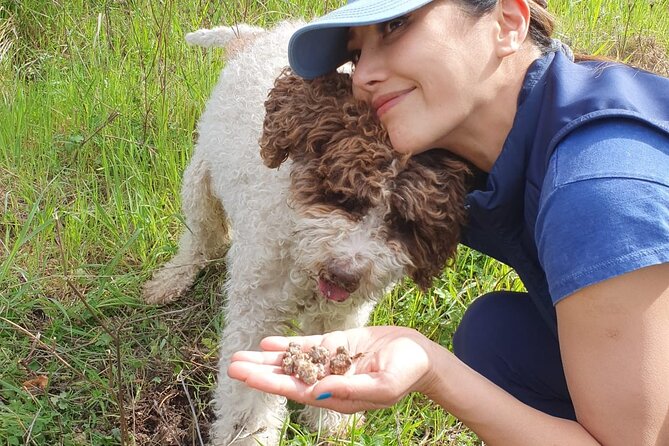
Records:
x=337, y=282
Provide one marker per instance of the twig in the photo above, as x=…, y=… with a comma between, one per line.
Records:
x=180, y=378
x=117, y=343
x=112, y=116
x=32, y=424
x=163, y=314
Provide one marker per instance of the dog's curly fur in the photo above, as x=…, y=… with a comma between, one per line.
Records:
x=344, y=163
x=320, y=235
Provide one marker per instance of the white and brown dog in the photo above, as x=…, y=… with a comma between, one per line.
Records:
x=315, y=213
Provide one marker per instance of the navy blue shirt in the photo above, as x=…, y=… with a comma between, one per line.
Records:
x=604, y=207
x=580, y=191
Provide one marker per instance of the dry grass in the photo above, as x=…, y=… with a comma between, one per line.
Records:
x=645, y=52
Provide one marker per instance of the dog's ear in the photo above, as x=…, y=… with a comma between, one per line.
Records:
x=301, y=116
x=427, y=211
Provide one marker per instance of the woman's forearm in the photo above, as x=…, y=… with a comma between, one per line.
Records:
x=493, y=414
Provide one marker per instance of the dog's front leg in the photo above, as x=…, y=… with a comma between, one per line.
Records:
x=324, y=317
x=244, y=416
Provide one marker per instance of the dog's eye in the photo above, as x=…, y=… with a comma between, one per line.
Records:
x=354, y=206
x=357, y=206
x=402, y=228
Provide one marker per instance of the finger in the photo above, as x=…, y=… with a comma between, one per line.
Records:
x=280, y=343
x=242, y=370
x=345, y=406
x=270, y=358
x=270, y=380
x=349, y=394
x=373, y=388
x=329, y=340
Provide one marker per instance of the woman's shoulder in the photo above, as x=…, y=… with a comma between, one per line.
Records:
x=611, y=148
x=604, y=207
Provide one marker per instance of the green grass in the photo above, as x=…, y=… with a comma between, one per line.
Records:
x=98, y=104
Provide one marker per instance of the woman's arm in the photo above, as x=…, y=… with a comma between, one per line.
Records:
x=497, y=417
x=602, y=220
x=398, y=361
x=614, y=339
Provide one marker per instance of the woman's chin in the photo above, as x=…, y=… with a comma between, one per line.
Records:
x=407, y=142
x=407, y=148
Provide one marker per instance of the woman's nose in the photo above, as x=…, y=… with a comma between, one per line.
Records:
x=368, y=71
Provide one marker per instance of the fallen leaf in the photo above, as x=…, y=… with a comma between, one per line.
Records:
x=38, y=383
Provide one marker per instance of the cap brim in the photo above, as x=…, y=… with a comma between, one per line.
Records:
x=320, y=46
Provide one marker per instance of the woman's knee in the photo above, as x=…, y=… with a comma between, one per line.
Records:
x=503, y=337
x=486, y=323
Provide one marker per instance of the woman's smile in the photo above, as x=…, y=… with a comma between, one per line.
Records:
x=385, y=102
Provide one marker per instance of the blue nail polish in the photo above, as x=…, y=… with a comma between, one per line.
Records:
x=323, y=396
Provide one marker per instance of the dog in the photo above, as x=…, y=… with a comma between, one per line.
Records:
x=296, y=184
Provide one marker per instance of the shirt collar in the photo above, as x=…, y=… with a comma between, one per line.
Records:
x=503, y=191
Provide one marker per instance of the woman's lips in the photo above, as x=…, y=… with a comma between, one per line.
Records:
x=385, y=102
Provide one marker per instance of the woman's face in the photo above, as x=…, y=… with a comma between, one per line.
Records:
x=425, y=73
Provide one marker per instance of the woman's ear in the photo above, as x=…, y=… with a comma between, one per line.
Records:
x=513, y=19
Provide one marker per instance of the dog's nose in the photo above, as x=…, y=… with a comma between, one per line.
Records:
x=344, y=275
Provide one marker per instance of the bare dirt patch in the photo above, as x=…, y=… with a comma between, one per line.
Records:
x=164, y=415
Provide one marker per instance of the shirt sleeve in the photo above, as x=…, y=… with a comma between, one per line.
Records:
x=604, y=206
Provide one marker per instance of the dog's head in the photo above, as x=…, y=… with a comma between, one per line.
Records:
x=366, y=214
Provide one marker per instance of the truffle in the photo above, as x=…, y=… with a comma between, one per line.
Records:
x=315, y=364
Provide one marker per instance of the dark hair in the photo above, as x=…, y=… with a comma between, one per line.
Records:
x=542, y=22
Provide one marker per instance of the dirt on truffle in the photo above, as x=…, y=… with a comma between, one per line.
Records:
x=315, y=364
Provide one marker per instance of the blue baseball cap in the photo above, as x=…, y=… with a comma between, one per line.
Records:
x=320, y=46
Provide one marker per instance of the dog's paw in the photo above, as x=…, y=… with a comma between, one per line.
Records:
x=152, y=296
x=167, y=285
x=330, y=422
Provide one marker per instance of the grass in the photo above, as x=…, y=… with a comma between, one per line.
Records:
x=98, y=104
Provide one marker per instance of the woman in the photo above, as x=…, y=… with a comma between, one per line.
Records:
x=576, y=200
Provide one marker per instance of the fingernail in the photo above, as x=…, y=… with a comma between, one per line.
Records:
x=323, y=396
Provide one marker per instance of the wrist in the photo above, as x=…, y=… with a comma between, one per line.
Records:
x=430, y=384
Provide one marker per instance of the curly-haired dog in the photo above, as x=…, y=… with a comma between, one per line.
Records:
x=318, y=238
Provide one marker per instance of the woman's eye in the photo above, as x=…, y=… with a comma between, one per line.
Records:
x=394, y=24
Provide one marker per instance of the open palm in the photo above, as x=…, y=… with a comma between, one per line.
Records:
x=392, y=362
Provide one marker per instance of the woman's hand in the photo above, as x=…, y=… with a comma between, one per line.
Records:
x=393, y=362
